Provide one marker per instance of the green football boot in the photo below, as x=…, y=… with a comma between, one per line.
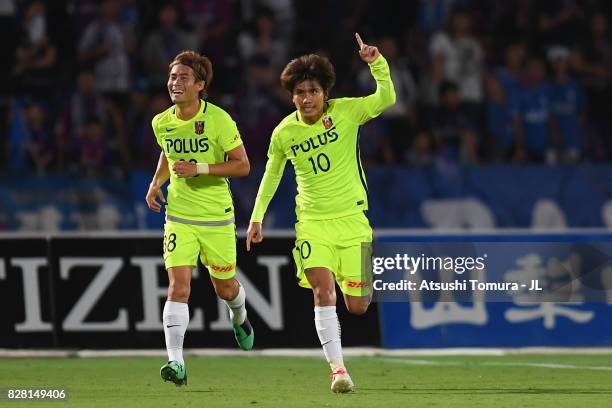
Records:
x=245, y=336
x=175, y=372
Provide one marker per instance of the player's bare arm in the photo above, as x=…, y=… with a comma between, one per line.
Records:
x=237, y=165
x=162, y=174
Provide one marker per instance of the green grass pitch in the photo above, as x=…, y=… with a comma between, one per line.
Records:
x=258, y=381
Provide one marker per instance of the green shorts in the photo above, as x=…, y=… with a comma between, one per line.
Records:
x=336, y=245
x=216, y=246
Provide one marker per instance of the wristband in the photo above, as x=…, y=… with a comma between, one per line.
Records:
x=202, y=168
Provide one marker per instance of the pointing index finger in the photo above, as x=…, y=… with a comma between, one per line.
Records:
x=359, y=41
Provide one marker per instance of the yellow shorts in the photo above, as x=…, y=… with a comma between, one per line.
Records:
x=215, y=245
x=342, y=245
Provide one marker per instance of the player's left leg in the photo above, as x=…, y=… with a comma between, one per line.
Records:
x=321, y=280
x=354, y=279
x=316, y=262
x=352, y=273
x=219, y=256
x=234, y=296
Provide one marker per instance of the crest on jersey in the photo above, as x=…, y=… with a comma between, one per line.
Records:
x=199, y=127
x=327, y=122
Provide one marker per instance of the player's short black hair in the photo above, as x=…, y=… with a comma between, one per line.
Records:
x=201, y=66
x=309, y=67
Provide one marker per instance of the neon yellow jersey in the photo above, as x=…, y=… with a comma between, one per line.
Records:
x=325, y=155
x=205, y=138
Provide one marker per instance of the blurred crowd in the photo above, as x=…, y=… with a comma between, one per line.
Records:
x=513, y=81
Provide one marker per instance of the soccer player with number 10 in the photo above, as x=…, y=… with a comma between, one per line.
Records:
x=321, y=139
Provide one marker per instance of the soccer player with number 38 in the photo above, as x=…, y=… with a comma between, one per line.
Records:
x=201, y=148
x=321, y=139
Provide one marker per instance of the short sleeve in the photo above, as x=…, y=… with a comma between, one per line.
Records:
x=154, y=122
x=228, y=135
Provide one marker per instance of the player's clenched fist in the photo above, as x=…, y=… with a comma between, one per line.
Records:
x=184, y=169
x=155, y=192
x=254, y=234
x=368, y=53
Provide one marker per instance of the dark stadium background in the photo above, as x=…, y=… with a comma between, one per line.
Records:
x=81, y=81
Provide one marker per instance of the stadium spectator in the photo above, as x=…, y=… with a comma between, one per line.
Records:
x=104, y=50
x=453, y=130
x=215, y=23
x=213, y=20
x=139, y=135
x=421, y=153
x=503, y=104
x=40, y=141
x=457, y=56
x=568, y=105
x=511, y=74
x=92, y=150
x=501, y=110
x=261, y=38
x=433, y=14
x=259, y=106
x=535, y=132
x=162, y=44
x=86, y=103
x=36, y=56
x=284, y=15
x=31, y=144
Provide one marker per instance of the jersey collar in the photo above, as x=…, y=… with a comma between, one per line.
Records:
x=203, y=106
x=298, y=117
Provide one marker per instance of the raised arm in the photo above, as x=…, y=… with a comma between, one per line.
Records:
x=366, y=108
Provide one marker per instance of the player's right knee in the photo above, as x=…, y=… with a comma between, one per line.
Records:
x=178, y=292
